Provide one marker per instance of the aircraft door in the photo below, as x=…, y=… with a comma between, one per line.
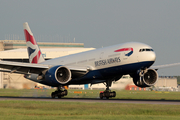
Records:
x=101, y=55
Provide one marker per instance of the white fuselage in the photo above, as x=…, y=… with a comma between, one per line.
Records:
x=106, y=57
x=105, y=63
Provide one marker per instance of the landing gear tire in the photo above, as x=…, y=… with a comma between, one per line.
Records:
x=59, y=96
x=114, y=94
x=59, y=93
x=107, y=94
x=65, y=92
x=53, y=95
x=101, y=95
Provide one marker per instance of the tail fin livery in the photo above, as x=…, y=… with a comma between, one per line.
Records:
x=35, y=55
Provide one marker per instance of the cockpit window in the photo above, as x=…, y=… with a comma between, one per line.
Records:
x=145, y=49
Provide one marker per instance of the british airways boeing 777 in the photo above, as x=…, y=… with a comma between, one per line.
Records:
x=103, y=65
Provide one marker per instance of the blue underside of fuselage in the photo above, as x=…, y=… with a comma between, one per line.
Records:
x=100, y=75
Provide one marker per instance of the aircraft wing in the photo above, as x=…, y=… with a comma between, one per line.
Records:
x=164, y=66
x=22, y=68
x=25, y=68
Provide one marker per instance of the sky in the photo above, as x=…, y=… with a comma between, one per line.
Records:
x=99, y=23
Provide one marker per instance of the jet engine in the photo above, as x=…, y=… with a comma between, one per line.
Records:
x=58, y=74
x=145, y=78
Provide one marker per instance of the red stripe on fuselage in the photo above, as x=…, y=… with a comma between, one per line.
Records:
x=124, y=49
x=29, y=37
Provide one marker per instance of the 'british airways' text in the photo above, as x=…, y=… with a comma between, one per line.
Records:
x=107, y=61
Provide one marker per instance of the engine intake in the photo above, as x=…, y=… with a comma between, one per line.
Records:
x=63, y=75
x=58, y=74
x=149, y=78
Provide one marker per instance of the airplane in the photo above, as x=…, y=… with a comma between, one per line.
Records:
x=103, y=65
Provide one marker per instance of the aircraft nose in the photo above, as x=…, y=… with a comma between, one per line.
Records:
x=152, y=56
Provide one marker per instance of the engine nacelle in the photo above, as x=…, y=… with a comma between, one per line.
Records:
x=58, y=74
x=149, y=78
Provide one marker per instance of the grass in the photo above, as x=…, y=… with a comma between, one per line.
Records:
x=80, y=111
x=29, y=110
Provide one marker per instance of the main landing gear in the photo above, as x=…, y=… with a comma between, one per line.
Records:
x=107, y=93
x=59, y=92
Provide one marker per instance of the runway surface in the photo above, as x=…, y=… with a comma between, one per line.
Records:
x=94, y=100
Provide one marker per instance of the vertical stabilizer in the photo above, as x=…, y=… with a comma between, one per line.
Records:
x=35, y=55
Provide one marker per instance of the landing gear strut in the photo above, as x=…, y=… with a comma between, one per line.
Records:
x=59, y=92
x=107, y=93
